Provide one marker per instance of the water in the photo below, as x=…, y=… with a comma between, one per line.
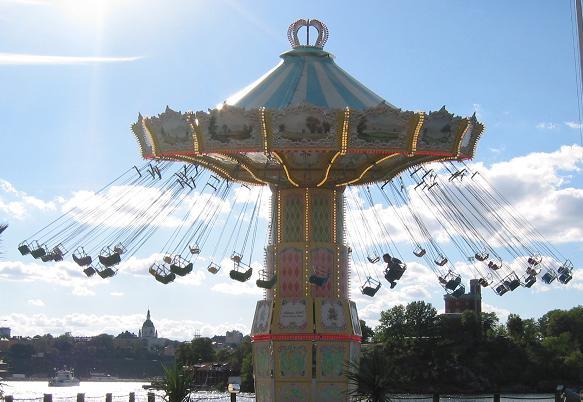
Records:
x=32, y=391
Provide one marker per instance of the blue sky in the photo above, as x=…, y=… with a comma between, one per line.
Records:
x=74, y=74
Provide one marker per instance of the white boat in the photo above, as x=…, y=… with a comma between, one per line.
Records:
x=96, y=376
x=64, y=378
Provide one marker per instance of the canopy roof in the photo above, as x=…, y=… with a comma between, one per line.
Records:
x=308, y=75
x=307, y=123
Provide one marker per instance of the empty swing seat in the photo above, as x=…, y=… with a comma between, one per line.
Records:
x=81, y=258
x=452, y=284
x=548, y=278
x=119, y=248
x=47, y=257
x=106, y=273
x=374, y=259
x=319, y=280
x=241, y=276
x=441, y=262
x=23, y=248
x=110, y=260
x=213, y=268
x=370, y=287
x=265, y=283
x=165, y=278
x=38, y=251
x=501, y=289
x=419, y=252
x=483, y=256
x=565, y=278
x=180, y=266
x=460, y=291
x=529, y=281
x=194, y=249
x=512, y=284
x=89, y=271
x=493, y=266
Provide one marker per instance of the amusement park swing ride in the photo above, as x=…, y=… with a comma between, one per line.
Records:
x=327, y=147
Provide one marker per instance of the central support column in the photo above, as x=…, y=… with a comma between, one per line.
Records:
x=304, y=333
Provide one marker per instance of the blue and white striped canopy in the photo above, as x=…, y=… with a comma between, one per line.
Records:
x=306, y=75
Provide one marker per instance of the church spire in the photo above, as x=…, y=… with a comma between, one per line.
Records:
x=148, y=316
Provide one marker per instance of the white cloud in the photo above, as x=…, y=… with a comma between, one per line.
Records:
x=36, y=59
x=572, y=124
x=547, y=126
x=117, y=294
x=36, y=302
x=19, y=204
x=92, y=324
x=66, y=274
x=502, y=313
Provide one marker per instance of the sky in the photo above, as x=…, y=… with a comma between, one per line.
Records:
x=74, y=74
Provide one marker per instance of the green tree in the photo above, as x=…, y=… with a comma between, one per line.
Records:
x=367, y=332
x=515, y=326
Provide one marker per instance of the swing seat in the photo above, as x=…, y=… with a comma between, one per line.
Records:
x=534, y=261
x=548, y=278
x=213, y=268
x=319, y=280
x=512, y=284
x=47, y=257
x=81, y=258
x=265, y=283
x=419, y=252
x=180, y=266
x=38, y=252
x=23, y=248
x=194, y=249
x=452, y=284
x=565, y=278
x=493, y=266
x=441, y=262
x=165, y=279
x=110, y=260
x=374, y=259
x=106, y=273
x=501, y=289
x=59, y=251
x=89, y=271
x=395, y=272
x=241, y=276
x=460, y=291
x=483, y=256
x=529, y=281
x=370, y=287
x=483, y=282
x=119, y=248
x=236, y=258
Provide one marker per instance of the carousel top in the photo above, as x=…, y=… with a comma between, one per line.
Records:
x=307, y=123
x=307, y=75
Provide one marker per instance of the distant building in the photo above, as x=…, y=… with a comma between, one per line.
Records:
x=149, y=334
x=233, y=338
x=148, y=330
x=4, y=332
x=470, y=301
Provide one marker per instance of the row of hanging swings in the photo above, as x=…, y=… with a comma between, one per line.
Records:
x=189, y=241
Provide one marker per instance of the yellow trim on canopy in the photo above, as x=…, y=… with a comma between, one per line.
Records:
x=415, y=137
x=366, y=170
x=285, y=170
